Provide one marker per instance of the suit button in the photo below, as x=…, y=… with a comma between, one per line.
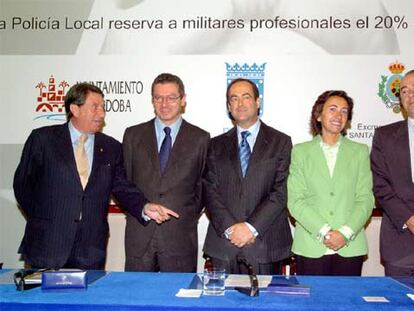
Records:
x=331, y=194
x=331, y=213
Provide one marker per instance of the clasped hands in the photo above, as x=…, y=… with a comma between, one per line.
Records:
x=334, y=240
x=159, y=213
x=240, y=235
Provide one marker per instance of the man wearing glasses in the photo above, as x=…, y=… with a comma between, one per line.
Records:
x=165, y=157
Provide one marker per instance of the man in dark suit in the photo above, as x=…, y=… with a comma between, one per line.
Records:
x=65, y=194
x=245, y=189
x=165, y=158
x=392, y=161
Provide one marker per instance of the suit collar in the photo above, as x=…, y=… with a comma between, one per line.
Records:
x=402, y=130
x=262, y=141
x=257, y=155
x=253, y=130
x=65, y=150
x=318, y=157
x=232, y=148
x=342, y=158
x=149, y=144
x=182, y=146
x=99, y=150
x=159, y=129
x=402, y=144
x=345, y=154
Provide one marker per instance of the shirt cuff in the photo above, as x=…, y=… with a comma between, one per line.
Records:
x=144, y=216
x=323, y=231
x=347, y=232
x=227, y=233
x=252, y=229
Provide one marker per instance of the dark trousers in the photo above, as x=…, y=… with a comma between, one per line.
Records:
x=329, y=265
x=78, y=258
x=403, y=266
x=156, y=260
x=233, y=267
x=394, y=270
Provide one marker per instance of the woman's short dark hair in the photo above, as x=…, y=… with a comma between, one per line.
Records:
x=77, y=95
x=316, y=126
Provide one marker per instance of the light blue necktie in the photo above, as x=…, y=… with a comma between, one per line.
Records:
x=244, y=152
x=165, y=149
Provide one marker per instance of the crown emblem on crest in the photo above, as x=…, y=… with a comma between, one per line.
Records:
x=245, y=68
x=51, y=99
x=396, y=68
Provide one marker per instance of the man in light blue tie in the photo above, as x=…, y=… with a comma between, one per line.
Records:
x=245, y=189
x=244, y=152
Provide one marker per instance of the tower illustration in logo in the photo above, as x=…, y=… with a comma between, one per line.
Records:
x=389, y=87
x=253, y=72
x=50, y=103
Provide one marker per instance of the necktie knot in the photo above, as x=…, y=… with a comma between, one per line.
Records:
x=244, y=135
x=167, y=130
x=83, y=138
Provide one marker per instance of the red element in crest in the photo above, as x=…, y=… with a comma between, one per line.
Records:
x=52, y=100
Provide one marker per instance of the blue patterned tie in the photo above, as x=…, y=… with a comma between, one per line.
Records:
x=244, y=152
x=165, y=149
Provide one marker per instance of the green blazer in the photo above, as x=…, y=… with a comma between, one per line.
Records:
x=315, y=198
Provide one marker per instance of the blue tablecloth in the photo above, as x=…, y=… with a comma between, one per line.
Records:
x=156, y=291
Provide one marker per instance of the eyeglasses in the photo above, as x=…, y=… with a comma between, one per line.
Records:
x=168, y=99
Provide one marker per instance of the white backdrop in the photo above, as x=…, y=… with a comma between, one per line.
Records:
x=307, y=47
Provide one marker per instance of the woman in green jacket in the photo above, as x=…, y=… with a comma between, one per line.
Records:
x=330, y=192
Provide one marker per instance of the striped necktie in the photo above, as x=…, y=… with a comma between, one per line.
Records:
x=244, y=152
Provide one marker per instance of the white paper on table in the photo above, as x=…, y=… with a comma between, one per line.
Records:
x=375, y=299
x=189, y=293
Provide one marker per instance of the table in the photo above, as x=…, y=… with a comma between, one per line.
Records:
x=156, y=291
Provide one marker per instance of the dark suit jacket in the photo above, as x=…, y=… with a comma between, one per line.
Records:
x=393, y=188
x=48, y=189
x=259, y=198
x=178, y=188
